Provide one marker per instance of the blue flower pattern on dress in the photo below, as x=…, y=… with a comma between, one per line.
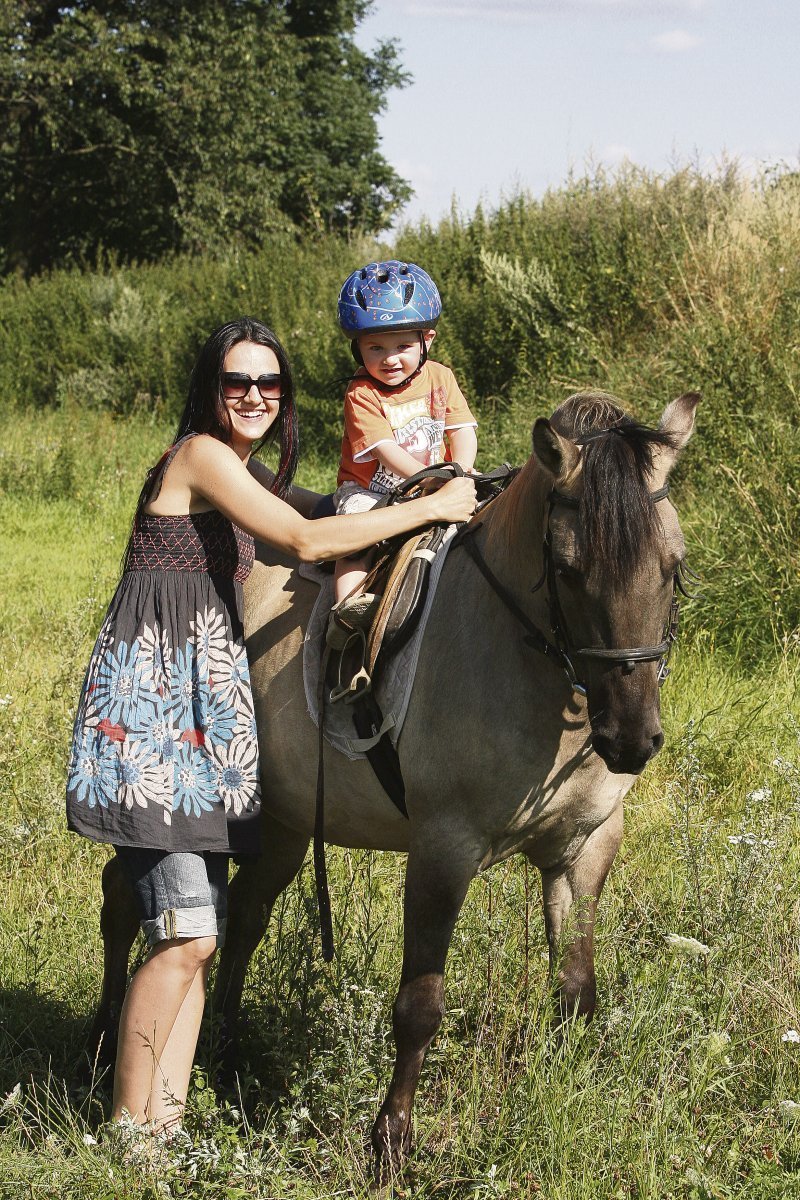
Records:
x=93, y=769
x=166, y=726
x=195, y=781
x=117, y=691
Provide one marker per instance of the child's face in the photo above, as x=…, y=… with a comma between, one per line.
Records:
x=392, y=357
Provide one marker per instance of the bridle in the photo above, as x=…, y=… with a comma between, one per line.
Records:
x=561, y=649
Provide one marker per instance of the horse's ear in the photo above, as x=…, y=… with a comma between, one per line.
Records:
x=557, y=454
x=677, y=420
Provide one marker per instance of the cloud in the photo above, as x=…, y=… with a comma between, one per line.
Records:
x=675, y=41
x=527, y=10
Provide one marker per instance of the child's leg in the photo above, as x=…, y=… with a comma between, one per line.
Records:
x=350, y=573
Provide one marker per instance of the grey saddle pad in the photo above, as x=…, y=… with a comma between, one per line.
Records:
x=396, y=677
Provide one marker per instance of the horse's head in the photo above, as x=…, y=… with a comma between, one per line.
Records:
x=612, y=556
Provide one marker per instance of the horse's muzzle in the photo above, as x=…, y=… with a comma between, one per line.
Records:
x=626, y=757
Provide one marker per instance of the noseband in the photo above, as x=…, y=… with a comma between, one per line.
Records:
x=560, y=649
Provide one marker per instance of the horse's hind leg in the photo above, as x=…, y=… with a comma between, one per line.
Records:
x=570, y=898
x=253, y=892
x=119, y=924
x=435, y=888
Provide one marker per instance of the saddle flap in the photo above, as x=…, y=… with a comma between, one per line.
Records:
x=403, y=595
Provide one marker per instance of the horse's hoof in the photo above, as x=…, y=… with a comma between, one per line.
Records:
x=390, y=1148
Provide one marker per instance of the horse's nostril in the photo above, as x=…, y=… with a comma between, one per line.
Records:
x=658, y=742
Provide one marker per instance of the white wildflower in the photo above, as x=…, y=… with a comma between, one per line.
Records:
x=689, y=947
x=717, y=1043
x=791, y=1036
x=750, y=839
x=12, y=1099
x=760, y=795
x=789, y=1110
x=88, y=1140
x=5, y=700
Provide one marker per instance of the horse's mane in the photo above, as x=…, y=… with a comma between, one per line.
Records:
x=617, y=518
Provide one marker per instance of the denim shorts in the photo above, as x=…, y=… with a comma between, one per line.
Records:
x=180, y=894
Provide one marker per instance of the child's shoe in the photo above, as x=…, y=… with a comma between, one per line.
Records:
x=349, y=615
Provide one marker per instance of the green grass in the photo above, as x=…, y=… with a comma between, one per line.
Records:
x=678, y=1089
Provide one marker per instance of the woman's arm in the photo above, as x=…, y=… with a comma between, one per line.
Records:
x=213, y=471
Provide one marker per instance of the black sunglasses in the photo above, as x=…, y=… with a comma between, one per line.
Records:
x=236, y=386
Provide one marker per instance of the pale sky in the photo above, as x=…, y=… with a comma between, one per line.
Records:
x=514, y=93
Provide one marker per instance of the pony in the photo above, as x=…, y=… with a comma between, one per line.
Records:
x=535, y=707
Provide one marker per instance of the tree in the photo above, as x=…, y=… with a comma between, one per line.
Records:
x=145, y=126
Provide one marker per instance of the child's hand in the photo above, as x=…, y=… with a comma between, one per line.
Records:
x=454, y=501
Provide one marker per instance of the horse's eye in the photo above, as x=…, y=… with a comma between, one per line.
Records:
x=567, y=574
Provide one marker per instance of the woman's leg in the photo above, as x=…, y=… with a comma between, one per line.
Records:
x=183, y=900
x=168, y=1095
x=159, y=1024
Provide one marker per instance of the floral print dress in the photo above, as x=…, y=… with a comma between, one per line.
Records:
x=164, y=750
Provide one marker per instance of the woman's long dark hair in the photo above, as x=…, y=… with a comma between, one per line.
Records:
x=206, y=411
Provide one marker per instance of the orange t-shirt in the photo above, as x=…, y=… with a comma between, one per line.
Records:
x=415, y=416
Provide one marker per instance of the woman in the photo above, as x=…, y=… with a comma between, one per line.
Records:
x=164, y=755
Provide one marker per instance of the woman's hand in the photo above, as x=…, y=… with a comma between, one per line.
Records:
x=454, y=501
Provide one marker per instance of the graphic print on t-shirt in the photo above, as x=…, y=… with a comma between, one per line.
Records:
x=418, y=427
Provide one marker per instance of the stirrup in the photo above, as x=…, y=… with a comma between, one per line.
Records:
x=360, y=682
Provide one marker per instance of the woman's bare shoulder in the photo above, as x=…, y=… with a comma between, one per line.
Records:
x=203, y=452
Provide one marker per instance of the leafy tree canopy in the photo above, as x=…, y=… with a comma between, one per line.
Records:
x=145, y=126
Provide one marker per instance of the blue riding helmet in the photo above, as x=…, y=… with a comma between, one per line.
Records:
x=388, y=295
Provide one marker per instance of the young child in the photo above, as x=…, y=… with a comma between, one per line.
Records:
x=400, y=405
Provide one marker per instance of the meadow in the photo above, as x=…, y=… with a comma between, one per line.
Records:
x=687, y=1084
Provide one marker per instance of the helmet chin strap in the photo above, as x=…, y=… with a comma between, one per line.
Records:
x=423, y=358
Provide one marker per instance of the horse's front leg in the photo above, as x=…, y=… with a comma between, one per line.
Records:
x=119, y=924
x=437, y=878
x=570, y=896
x=252, y=895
